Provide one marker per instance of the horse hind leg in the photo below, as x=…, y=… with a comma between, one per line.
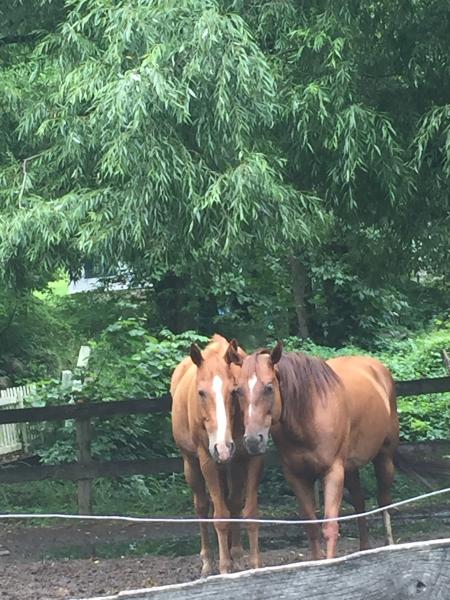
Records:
x=304, y=492
x=202, y=505
x=384, y=472
x=353, y=485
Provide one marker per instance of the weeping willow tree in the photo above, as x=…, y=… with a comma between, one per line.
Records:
x=182, y=136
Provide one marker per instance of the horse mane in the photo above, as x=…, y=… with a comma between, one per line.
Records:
x=303, y=379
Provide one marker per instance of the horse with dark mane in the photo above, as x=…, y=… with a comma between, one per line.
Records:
x=327, y=419
x=208, y=429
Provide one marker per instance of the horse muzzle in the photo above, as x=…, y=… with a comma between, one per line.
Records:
x=222, y=453
x=255, y=444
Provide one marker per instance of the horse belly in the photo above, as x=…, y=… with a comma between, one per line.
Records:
x=367, y=436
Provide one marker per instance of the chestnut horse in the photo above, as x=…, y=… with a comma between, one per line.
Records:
x=208, y=429
x=327, y=419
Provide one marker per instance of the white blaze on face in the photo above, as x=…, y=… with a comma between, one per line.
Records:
x=251, y=386
x=221, y=414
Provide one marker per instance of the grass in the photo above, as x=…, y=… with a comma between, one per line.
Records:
x=171, y=547
x=169, y=495
x=136, y=495
x=270, y=539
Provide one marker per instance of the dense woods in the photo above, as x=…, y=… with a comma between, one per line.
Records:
x=270, y=169
x=282, y=163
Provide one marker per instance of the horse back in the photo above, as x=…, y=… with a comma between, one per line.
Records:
x=369, y=392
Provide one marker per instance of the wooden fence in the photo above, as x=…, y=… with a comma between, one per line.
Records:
x=86, y=469
x=401, y=572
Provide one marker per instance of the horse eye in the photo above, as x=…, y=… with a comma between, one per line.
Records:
x=202, y=394
x=268, y=389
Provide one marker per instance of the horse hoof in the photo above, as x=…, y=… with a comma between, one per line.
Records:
x=225, y=568
x=238, y=565
x=206, y=570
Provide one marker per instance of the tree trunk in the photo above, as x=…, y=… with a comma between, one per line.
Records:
x=299, y=282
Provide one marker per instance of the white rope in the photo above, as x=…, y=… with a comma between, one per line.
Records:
x=199, y=520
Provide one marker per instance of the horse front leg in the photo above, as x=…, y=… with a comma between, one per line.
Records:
x=304, y=492
x=237, y=486
x=254, y=472
x=211, y=474
x=333, y=492
x=202, y=503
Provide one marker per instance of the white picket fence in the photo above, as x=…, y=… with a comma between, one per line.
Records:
x=14, y=437
x=17, y=437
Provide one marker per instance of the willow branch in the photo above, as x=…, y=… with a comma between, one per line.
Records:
x=24, y=179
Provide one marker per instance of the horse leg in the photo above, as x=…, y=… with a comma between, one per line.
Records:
x=333, y=491
x=384, y=472
x=212, y=477
x=254, y=472
x=353, y=484
x=195, y=480
x=304, y=492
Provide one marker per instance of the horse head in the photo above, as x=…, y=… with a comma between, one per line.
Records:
x=259, y=396
x=216, y=380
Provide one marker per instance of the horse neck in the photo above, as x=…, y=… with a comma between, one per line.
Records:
x=302, y=430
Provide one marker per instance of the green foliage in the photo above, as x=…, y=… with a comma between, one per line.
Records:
x=27, y=324
x=127, y=362
x=137, y=495
x=161, y=135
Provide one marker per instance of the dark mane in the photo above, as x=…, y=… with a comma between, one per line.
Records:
x=303, y=380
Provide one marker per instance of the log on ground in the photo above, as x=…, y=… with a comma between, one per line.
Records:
x=416, y=570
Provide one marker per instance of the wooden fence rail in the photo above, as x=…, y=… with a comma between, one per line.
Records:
x=86, y=469
x=85, y=409
x=401, y=572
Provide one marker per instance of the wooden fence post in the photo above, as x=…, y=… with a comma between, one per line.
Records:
x=84, y=436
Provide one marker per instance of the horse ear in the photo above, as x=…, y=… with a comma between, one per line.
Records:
x=276, y=353
x=196, y=355
x=232, y=354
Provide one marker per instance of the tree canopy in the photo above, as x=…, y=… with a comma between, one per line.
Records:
x=298, y=151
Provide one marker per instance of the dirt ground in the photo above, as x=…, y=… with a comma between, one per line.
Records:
x=38, y=568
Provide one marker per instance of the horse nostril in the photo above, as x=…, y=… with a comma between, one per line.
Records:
x=261, y=438
x=216, y=452
x=231, y=447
